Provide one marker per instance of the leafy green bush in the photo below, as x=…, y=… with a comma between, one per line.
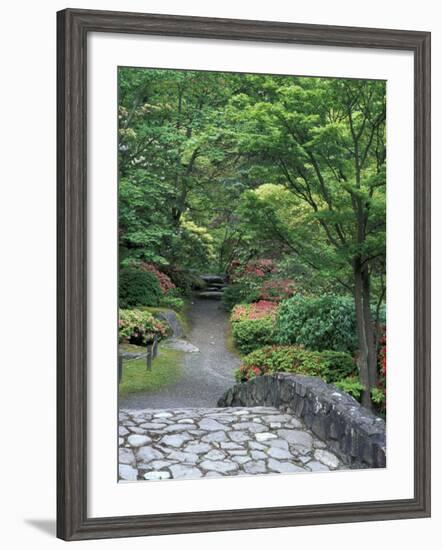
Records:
x=185, y=280
x=331, y=366
x=173, y=302
x=252, y=334
x=137, y=326
x=138, y=288
x=244, y=292
x=318, y=323
x=351, y=385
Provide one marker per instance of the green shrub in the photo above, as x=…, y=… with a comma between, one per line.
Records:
x=173, y=302
x=318, y=323
x=138, y=288
x=328, y=365
x=137, y=326
x=244, y=292
x=351, y=385
x=251, y=334
x=185, y=280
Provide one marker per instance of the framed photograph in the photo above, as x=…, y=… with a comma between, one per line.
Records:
x=243, y=248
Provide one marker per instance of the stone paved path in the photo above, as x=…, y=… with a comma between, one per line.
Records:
x=214, y=442
x=206, y=374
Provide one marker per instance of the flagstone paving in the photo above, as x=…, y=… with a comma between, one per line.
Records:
x=215, y=442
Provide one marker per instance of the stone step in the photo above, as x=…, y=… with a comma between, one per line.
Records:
x=213, y=295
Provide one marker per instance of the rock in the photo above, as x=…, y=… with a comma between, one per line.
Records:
x=120, y=441
x=175, y=440
x=229, y=445
x=138, y=440
x=122, y=431
x=214, y=454
x=127, y=473
x=171, y=318
x=181, y=471
x=238, y=437
x=297, y=437
x=275, y=452
x=264, y=436
x=219, y=466
x=280, y=443
x=253, y=427
x=327, y=458
x=159, y=464
x=316, y=466
x=136, y=430
x=180, y=345
x=213, y=279
x=215, y=436
x=197, y=448
x=211, y=425
x=257, y=455
x=126, y=456
x=147, y=454
x=186, y=421
x=255, y=467
x=183, y=457
x=164, y=414
x=283, y=467
x=258, y=446
x=241, y=459
x=156, y=476
x=152, y=426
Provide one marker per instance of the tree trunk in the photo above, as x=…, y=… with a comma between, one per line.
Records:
x=369, y=327
x=363, y=343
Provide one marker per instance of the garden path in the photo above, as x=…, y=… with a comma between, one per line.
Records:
x=207, y=374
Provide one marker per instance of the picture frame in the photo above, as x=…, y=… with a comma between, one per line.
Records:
x=73, y=27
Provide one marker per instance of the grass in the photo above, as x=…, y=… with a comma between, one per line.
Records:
x=166, y=370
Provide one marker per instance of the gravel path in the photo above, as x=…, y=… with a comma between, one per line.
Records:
x=207, y=374
x=214, y=442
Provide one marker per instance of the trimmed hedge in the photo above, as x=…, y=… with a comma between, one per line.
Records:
x=331, y=366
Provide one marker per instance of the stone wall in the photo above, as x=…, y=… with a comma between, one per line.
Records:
x=355, y=434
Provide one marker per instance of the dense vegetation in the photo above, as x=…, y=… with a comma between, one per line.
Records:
x=276, y=181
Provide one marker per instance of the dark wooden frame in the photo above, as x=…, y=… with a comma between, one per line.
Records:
x=73, y=27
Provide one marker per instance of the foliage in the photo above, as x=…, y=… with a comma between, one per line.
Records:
x=328, y=365
x=277, y=289
x=173, y=302
x=252, y=332
x=318, y=323
x=277, y=180
x=166, y=371
x=164, y=280
x=257, y=310
x=246, y=291
x=138, y=288
x=352, y=386
x=137, y=326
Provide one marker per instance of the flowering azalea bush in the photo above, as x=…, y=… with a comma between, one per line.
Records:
x=253, y=325
x=379, y=393
x=277, y=289
x=137, y=326
x=331, y=366
x=164, y=280
x=257, y=310
x=252, y=269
